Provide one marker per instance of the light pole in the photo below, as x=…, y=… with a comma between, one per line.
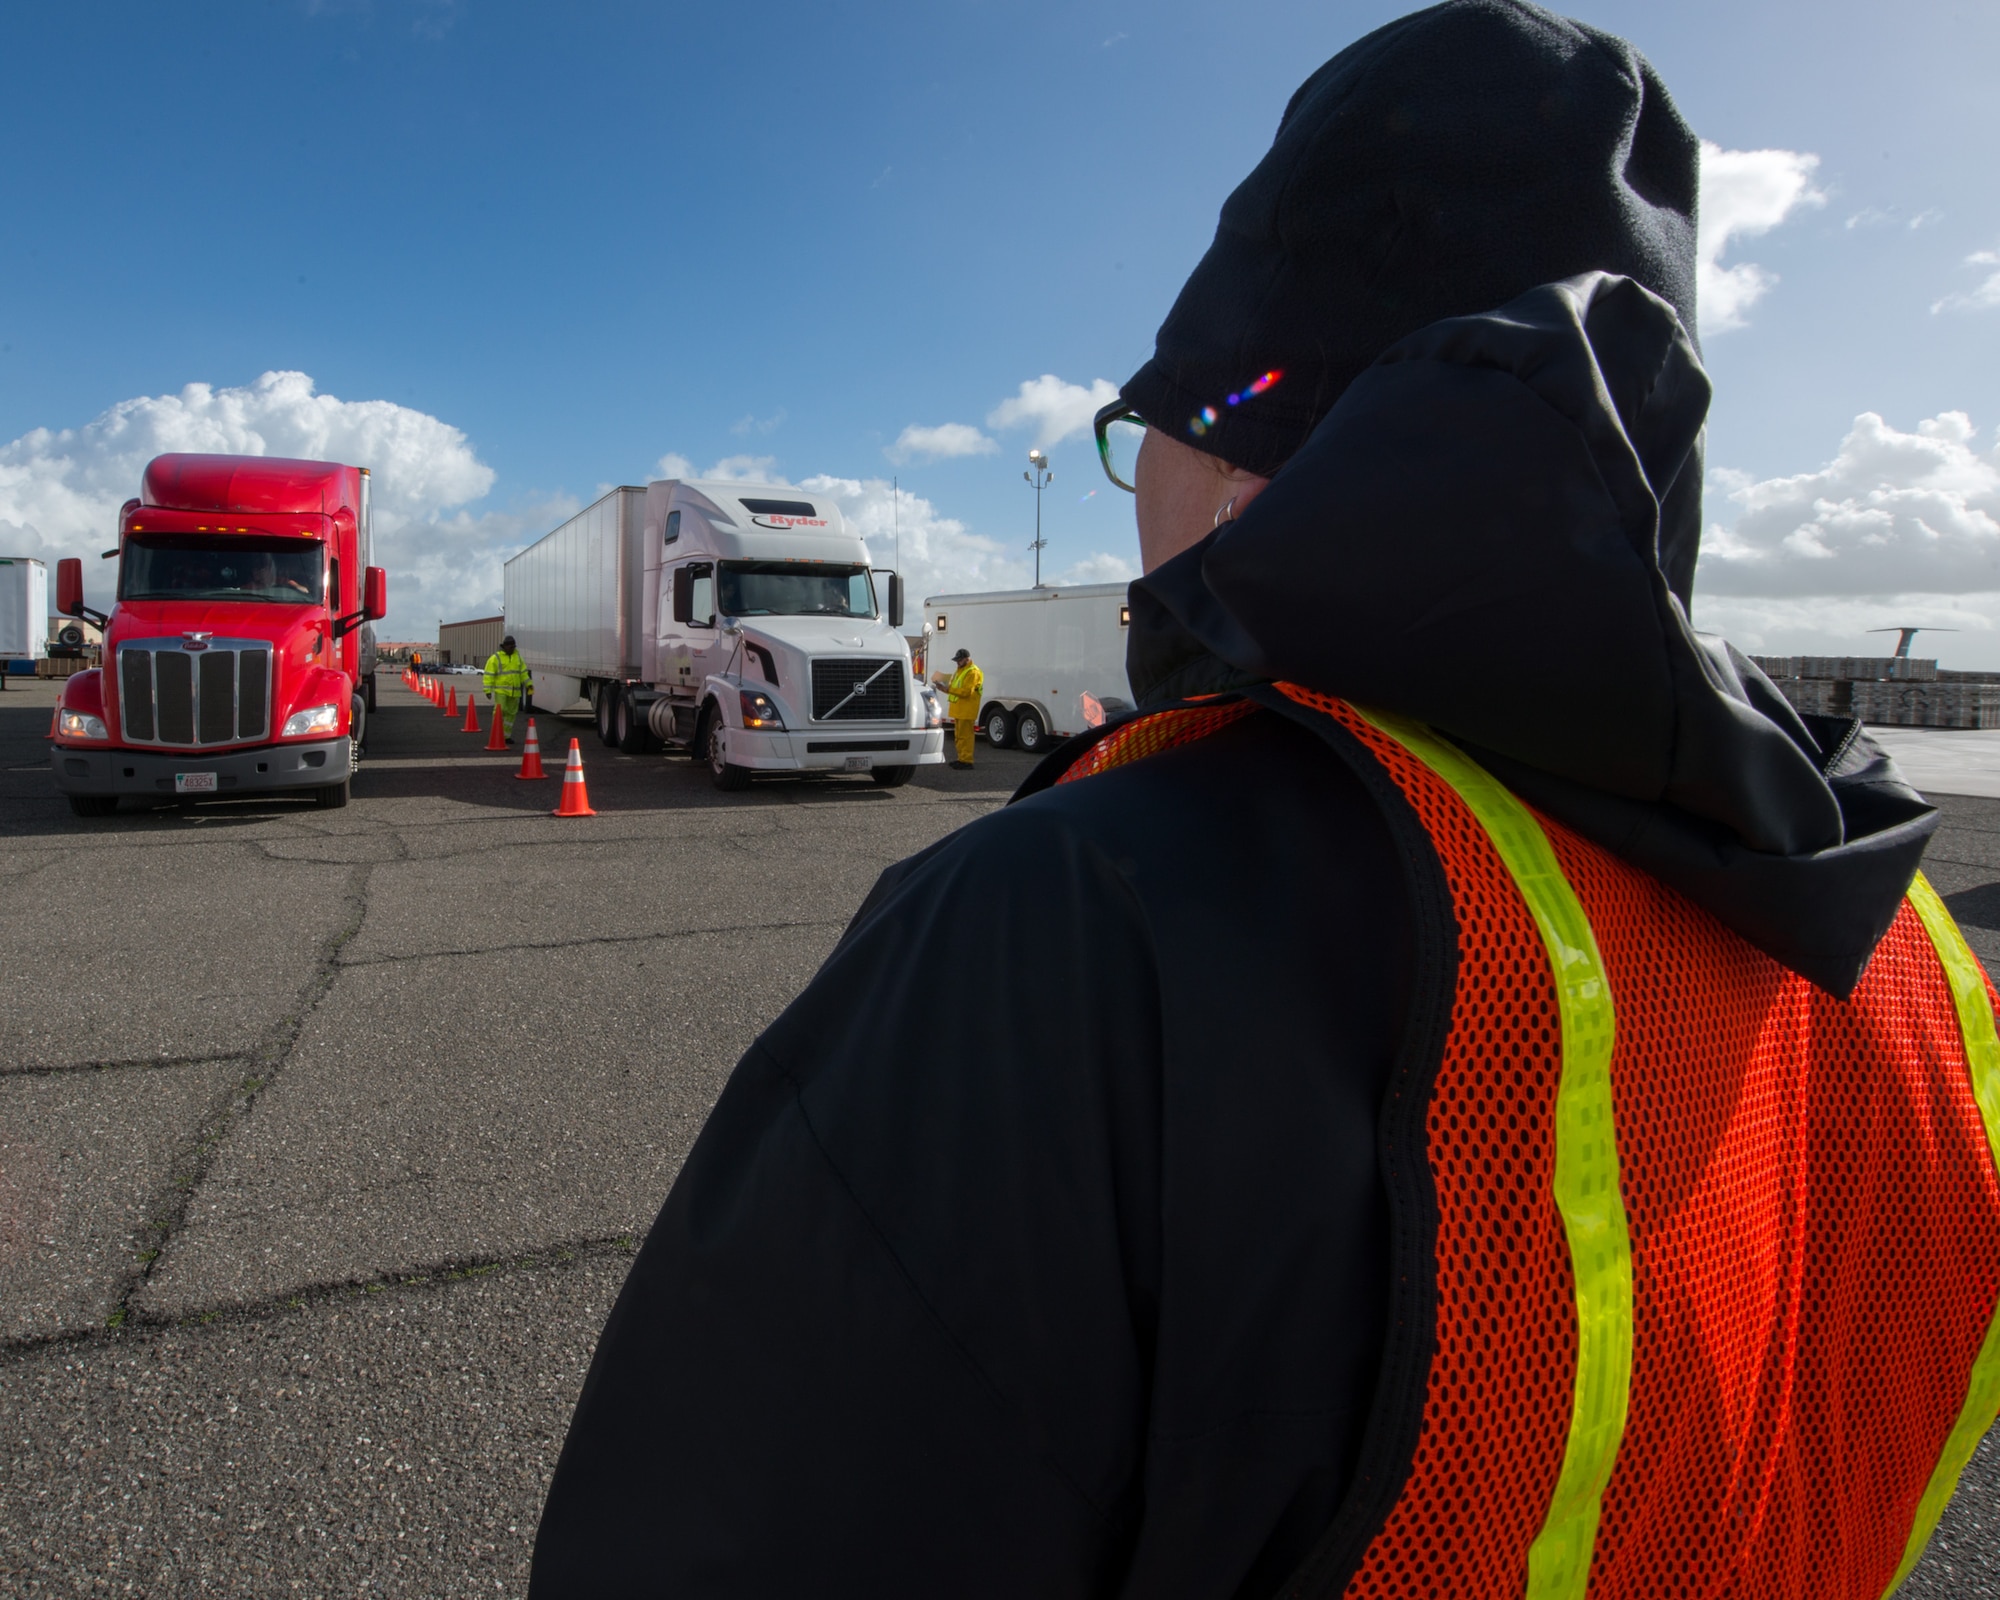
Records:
x=1041, y=476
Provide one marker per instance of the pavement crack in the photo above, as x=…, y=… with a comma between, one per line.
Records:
x=601, y=938
x=119, y=1064
x=263, y=1063
x=342, y=1291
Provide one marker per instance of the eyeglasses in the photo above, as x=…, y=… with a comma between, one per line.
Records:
x=1119, y=431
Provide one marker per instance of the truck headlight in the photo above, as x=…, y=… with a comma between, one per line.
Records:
x=314, y=719
x=82, y=725
x=933, y=710
x=759, y=710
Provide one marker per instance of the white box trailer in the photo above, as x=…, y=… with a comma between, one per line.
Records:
x=24, y=610
x=741, y=622
x=1053, y=659
x=575, y=600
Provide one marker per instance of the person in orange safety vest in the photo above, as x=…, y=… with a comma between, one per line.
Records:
x=1472, y=1095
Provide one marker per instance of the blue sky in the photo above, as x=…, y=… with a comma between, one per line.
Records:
x=588, y=238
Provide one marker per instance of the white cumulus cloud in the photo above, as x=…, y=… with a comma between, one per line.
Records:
x=1054, y=409
x=945, y=442
x=60, y=489
x=1744, y=193
x=1099, y=567
x=730, y=469
x=1983, y=296
x=1892, y=513
x=1859, y=627
x=939, y=554
x=1899, y=528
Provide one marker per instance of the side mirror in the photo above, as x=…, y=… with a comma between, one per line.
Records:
x=684, y=594
x=895, y=599
x=374, y=594
x=69, y=586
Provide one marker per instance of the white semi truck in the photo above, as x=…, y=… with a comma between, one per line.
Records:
x=1053, y=659
x=740, y=622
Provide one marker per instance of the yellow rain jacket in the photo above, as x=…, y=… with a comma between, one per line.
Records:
x=964, y=691
x=506, y=677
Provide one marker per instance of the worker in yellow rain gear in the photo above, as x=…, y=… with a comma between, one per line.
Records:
x=963, y=686
x=508, y=684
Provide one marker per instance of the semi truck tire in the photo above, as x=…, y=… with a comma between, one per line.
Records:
x=605, y=702
x=1029, y=733
x=631, y=729
x=332, y=796
x=999, y=727
x=93, y=805
x=892, y=777
x=728, y=776
x=369, y=697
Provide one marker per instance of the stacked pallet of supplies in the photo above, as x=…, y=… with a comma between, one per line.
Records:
x=1894, y=691
x=1928, y=705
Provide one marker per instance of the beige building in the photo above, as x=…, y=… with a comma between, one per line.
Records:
x=463, y=644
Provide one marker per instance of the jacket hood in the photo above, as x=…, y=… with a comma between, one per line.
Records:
x=1495, y=531
x=1450, y=160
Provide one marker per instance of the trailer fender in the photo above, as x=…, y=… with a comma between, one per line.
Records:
x=1032, y=728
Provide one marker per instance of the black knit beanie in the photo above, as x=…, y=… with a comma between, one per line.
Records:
x=1446, y=163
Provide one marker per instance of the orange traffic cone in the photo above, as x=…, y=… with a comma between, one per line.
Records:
x=55, y=719
x=471, y=724
x=575, y=798
x=497, y=740
x=451, y=702
x=531, y=755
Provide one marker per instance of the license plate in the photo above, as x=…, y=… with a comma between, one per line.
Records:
x=859, y=763
x=194, y=783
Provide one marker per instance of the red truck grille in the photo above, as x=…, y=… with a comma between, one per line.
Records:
x=171, y=695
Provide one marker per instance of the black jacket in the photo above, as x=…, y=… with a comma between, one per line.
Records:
x=1083, y=1290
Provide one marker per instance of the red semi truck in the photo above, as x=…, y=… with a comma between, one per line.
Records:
x=238, y=658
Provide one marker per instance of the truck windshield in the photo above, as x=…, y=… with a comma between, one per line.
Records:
x=795, y=589
x=199, y=566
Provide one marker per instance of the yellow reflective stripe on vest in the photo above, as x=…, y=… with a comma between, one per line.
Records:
x=1982, y=1060
x=1586, y=1163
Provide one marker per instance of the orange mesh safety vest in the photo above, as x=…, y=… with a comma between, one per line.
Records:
x=1699, y=1265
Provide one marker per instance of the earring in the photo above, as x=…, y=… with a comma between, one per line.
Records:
x=1226, y=513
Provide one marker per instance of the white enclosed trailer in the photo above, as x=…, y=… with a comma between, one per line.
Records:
x=1053, y=659
x=24, y=610
x=739, y=621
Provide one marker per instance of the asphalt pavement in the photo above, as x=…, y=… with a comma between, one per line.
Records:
x=326, y=1136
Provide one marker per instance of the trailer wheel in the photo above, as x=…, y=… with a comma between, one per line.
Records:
x=1029, y=734
x=892, y=777
x=727, y=775
x=607, y=698
x=999, y=727
x=93, y=805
